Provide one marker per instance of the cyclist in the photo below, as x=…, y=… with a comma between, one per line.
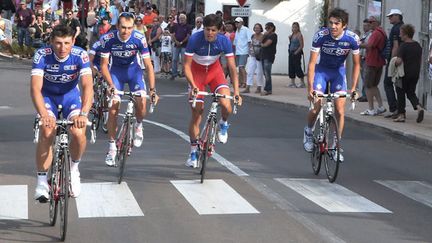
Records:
x=95, y=57
x=56, y=72
x=333, y=45
x=202, y=68
x=126, y=46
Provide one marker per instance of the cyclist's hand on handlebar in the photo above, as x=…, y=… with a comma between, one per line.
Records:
x=194, y=92
x=154, y=98
x=238, y=100
x=48, y=121
x=354, y=95
x=311, y=95
x=79, y=121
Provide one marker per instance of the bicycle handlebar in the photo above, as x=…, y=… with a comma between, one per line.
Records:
x=64, y=123
x=216, y=95
x=132, y=95
x=333, y=96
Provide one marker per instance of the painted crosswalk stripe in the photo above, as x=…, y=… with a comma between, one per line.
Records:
x=15, y=204
x=332, y=197
x=107, y=200
x=213, y=197
x=417, y=190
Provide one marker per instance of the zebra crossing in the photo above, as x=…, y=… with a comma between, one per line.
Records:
x=213, y=197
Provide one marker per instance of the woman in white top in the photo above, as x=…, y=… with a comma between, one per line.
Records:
x=254, y=62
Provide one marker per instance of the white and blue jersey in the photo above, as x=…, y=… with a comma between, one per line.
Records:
x=124, y=58
x=333, y=53
x=95, y=50
x=207, y=53
x=60, y=78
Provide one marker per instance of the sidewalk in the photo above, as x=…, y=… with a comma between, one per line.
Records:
x=415, y=133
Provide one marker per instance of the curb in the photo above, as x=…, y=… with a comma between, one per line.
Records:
x=399, y=136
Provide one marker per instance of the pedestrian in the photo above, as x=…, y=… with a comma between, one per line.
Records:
x=24, y=18
x=166, y=51
x=396, y=19
x=268, y=55
x=40, y=27
x=409, y=54
x=198, y=25
x=4, y=43
x=254, y=64
x=295, y=54
x=155, y=44
x=115, y=10
x=180, y=36
x=363, y=40
x=374, y=65
x=241, y=42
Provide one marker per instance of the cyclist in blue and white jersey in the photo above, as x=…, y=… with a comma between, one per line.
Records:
x=95, y=57
x=56, y=71
x=332, y=44
x=202, y=68
x=126, y=46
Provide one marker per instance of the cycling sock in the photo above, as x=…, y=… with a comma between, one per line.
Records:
x=194, y=145
x=74, y=165
x=112, y=145
x=42, y=177
x=221, y=121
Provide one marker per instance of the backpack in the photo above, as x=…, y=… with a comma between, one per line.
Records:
x=386, y=49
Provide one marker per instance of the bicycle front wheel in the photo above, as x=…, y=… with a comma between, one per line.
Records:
x=64, y=193
x=123, y=144
x=316, y=155
x=53, y=193
x=206, y=143
x=331, y=157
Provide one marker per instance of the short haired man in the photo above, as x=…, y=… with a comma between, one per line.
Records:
x=198, y=25
x=57, y=70
x=242, y=40
x=202, y=68
x=24, y=18
x=125, y=45
x=332, y=44
x=180, y=36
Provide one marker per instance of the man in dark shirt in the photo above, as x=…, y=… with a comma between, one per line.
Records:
x=24, y=18
x=396, y=19
x=75, y=25
x=268, y=55
x=180, y=35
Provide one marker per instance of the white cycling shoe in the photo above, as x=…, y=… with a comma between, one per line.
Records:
x=75, y=184
x=110, y=158
x=307, y=141
x=139, y=137
x=42, y=192
x=192, y=160
x=223, y=133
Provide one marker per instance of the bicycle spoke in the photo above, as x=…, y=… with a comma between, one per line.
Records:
x=332, y=155
x=316, y=155
x=64, y=193
x=122, y=150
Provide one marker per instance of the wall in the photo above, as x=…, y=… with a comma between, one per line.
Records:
x=282, y=14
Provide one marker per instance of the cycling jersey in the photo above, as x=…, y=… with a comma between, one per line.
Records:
x=333, y=52
x=60, y=78
x=95, y=50
x=206, y=68
x=124, y=62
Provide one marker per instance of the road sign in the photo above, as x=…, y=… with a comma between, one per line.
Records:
x=241, y=2
x=240, y=12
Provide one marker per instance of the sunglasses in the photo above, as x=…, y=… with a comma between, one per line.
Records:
x=199, y=21
x=371, y=21
x=127, y=15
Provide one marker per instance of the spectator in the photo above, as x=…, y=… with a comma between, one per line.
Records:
x=254, y=64
x=115, y=10
x=396, y=19
x=363, y=41
x=24, y=18
x=242, y=41
x=180, y=35
x=229, y=30
x=139, y=25
x=3, y=40
x=174, y=14
x=198, y=25
x=79, y=36
x=49, y=15
x=295, y=54
x=83, y=12
x=40, y=27
x=105, y=27
x=374, y=65
x=409, y=54
x=268, y=55
x=162, y=22
x=166, y=49
x=220, y=14
x=155, y=44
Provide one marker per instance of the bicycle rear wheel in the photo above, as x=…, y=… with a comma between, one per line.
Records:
x=316, y=155
x=206, y=143
x=64, y=193
x=53, y=193
x=122, y=148
x=331, y=157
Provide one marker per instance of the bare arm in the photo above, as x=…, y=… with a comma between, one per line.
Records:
x=355, y=71
x=87, y=92
x=233, y=74
x=105, y=71
x=311, y=72
x=150, y=73
x=36, y=95
x=301, y=45
x=395, y=48
x=188, y=71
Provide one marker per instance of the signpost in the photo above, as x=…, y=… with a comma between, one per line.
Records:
x=240, y=12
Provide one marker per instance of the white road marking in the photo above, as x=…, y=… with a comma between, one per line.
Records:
x=14, y=202
x=221, y=160
x=107, y=200
x=173, y=95
x=213, y=197
x=417, y=190
x=4, y=107
x=332, y=197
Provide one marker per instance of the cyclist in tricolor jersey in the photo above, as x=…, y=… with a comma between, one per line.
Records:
x=202, y=69
x=332, y=44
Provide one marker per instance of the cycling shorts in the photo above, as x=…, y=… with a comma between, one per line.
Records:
x=336, y=77
x=132, y=75
x=70, y=102
x=212, y=76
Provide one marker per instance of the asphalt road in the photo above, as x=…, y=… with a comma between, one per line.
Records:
x=260, y=188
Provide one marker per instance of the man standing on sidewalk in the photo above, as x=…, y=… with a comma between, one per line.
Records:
x=396, y=19
x=24, y=18
x=241, y=42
